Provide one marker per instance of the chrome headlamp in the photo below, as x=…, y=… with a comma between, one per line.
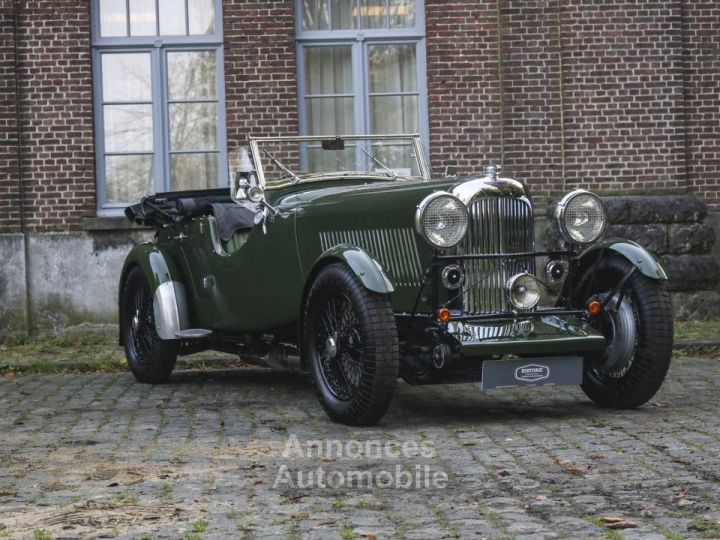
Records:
x=442, y=220
x=523, y=291
x=580, y=217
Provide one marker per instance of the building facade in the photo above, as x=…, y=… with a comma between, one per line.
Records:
x=102, y=101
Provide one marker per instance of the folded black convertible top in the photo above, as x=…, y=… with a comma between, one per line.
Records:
x=167, y=208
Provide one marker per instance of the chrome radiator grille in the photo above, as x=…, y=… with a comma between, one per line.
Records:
x=497, y=225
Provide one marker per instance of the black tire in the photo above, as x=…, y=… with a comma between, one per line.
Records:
x=150, y=358
x=616, y=379
x=355, y=374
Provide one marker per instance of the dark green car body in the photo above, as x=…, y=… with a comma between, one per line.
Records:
x=363, y=276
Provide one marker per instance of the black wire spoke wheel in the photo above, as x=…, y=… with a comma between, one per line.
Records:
x=350, y=347
x=340, y=347
x=638, y=325
x=151, y=359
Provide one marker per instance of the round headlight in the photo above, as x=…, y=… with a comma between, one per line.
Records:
x=523, y=291
x=442, y=220
x=580, y=217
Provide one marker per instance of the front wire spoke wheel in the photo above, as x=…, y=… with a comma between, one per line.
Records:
x=350, y=346
x=639, y=332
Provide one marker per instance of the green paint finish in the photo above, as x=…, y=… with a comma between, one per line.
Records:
x=367, y=269
x=635, y=253
x=548, y=335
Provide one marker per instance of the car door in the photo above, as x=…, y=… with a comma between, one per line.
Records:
x=252, y=285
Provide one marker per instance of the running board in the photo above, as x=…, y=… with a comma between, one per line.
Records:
x=193, y=333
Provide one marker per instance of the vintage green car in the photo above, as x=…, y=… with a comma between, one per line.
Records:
x=343, y=257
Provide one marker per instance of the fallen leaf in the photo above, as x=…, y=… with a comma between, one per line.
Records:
x=8, y=494
x=469, y=443
x=682, y=494
x=578, y=470
x=625, y=524
x=613, y=519
x=562, y=462
x=368, y=535
x=598, y=456
x=541, y=498
x=258, y=482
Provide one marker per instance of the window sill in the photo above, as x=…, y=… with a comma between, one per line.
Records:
x=111, y=224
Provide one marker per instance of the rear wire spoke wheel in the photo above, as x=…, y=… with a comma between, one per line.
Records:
x=151, y=359
x=639, y=331
x=350, y=346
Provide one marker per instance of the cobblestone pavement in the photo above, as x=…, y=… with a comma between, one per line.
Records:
x=223, y=454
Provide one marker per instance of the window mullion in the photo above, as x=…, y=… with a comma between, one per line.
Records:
x=358, y=60
x=159, y=120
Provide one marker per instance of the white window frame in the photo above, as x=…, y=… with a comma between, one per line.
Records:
x=360, y=39
x=158, y=48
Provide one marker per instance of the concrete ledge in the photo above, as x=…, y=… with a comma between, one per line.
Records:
x=110, y=224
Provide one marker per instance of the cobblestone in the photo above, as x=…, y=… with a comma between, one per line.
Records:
x=96, y=454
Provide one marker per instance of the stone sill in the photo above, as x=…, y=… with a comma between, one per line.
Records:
x=111, y=224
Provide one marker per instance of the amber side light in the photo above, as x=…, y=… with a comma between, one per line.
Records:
x=443, y=315
x=594, y=308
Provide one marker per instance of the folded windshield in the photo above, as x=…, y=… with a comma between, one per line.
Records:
x=288, y=160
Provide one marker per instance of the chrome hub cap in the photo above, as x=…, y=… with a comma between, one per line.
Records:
x=135, y=322
x=331, y=346
x=622, y=331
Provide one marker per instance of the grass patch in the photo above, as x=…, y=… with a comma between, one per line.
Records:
x=697, y=330
x=346, y=533
x=42, y=534
x=199, y=526
x=706, y=528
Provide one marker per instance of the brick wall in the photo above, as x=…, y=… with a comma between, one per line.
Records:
x=623, y=95
x=615, y=95
x=9, y=173
x=56, y=116
x=463, y=84
x=701, y=46
x=532, y=129
x=260, y=69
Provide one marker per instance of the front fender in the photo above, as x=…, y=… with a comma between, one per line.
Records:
x=641, y=258
x=170, y=305
x=368, y=270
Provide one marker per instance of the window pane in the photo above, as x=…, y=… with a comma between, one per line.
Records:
x=374, y=13
x=128, y=178
x=142, y=18
x=172, y=17
x=193, y=126
x=394, y=114
x=320, y=160
x=193, y=171
x=191, y=75
x=113, y=18
x=398, y=157
x=316, y=15
x=201, y=14
x=344, y=13
x=393, y=68
x=402, y=13
x=330, y=116
x=126, y=77
x=128, y=128
x=328, y=70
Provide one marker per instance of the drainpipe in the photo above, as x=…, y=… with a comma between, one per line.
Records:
x=21, y=192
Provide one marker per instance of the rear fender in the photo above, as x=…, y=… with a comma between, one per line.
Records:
x=170, y=304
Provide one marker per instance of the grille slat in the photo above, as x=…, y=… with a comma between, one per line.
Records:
x=498, y=225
